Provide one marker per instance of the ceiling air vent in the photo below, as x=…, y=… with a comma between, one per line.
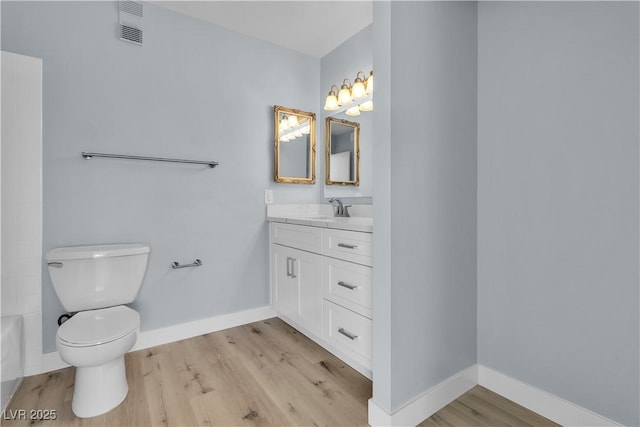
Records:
x=131, y=13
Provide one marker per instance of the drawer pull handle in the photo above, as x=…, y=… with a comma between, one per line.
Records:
x=347, y=334
x=348, y=286
x=288, y=266
x=345, y=245
x=291, y=267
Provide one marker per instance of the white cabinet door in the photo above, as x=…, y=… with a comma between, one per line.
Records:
x=307, y=268
x=285, y=286
x=297, y=283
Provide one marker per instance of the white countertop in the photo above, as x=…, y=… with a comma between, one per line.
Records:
x=322, y=216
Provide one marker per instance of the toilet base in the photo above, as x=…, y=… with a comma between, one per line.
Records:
x=99, y=389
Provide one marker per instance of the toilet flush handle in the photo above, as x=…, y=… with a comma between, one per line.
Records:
x=55, y=264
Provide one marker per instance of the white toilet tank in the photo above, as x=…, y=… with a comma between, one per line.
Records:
x=90, y=277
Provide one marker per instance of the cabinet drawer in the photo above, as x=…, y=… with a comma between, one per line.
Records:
x=348, y=332
x=297, y=236
x=348, y=245
x=347, y=284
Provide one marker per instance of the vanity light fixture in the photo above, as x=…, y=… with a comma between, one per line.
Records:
x=345, y=97
x=331, y=103
x=360, y=92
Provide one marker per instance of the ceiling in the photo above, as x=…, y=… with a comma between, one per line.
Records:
x=312, y=27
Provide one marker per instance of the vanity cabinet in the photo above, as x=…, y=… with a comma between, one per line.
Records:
x=322, y=284
x=297, y=275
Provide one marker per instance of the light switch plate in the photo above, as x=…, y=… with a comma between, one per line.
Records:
x=268, y=197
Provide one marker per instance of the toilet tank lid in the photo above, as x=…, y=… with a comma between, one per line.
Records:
x=97, y=251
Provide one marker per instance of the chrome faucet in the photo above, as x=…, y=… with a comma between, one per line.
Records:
x=341, y=210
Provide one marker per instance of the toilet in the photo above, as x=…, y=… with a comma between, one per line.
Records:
x=95, y=282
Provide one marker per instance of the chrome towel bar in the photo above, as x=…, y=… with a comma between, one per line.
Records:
x=89, y=155
x=176, y=264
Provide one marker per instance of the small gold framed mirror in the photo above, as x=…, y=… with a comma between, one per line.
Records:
x=342, y=159
x=295, y=146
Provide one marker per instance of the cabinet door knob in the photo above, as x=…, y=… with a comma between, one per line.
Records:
x=347, y=334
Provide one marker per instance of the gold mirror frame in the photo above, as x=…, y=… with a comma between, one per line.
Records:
x=302, y=117
x=356, y=151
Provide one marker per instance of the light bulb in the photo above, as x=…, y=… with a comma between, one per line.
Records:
x=353, y=111
x=366, y=106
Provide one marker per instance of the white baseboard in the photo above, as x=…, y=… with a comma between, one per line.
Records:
x=543, y=403
x=200, y=327
x=426, y=404
x=546, y=404
x=51, y=361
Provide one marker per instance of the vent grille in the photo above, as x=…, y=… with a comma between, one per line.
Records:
x=130, y=34
x=131, y=7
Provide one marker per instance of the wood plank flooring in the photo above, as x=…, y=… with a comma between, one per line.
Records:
x=263, y=373
x=483, y=408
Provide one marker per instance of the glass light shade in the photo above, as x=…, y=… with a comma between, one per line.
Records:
x=344, y=97
x=366, y=106
x=293, y=121
x=370, y=83
x=358, y=89
x=353, y=111
x=284, y=124
x=331, y=103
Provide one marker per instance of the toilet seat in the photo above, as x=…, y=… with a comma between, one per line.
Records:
x=95, y=327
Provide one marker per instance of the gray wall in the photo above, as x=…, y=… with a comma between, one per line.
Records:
x=425, y=282
x=193, y=90
x=558, y=199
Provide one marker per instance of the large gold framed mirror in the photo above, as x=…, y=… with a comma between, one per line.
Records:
x=295, y=146
x=342, y=159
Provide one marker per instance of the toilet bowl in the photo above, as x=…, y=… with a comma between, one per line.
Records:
x=95, y=342
x=95, y=282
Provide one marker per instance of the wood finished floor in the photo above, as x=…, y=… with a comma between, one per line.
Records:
x=264, y=373
x=480, y=407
